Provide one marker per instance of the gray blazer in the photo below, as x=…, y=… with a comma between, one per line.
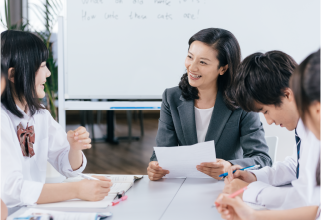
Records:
x=238, y=135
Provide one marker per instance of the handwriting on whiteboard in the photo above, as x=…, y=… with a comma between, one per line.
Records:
x=139, y=10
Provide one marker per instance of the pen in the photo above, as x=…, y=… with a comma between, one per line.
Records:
x=237, y=192
x=87, y=177
x=233, y=194
x=246, y=168
x=119, y=200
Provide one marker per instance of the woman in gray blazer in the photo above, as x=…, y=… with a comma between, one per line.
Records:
x=202, y=109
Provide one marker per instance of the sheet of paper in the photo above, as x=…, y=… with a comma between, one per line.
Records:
x=77, y=203
x=117, y=187
x=122, y=179
x=63, y=215
x=181, y=161
x=114, y=178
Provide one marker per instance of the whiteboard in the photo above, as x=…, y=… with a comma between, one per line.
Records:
x=135, y=49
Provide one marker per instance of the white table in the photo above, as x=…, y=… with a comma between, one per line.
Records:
x=195, y=200
x=162, y=200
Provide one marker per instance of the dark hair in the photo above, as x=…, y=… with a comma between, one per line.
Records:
x=3, y=72
x=305, y=83
x=262, y=78
x=24, y=52
x=228, y=52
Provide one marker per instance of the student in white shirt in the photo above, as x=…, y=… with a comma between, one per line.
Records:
x=202, y=109
x=4, y=209
x=42, y=139
x=305, y=93
x=305, y=84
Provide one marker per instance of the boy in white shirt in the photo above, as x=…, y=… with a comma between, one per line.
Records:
x=264, y=87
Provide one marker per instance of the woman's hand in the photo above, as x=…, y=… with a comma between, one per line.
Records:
x=214, y=169
x=155, y=172
x=240, y=174
x=233, y=208
x=79, y=139
x=93, y=190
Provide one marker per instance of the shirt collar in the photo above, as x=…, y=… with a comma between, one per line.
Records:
x=16, y=120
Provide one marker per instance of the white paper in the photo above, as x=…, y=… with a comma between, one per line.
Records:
x=63, y=215
x=117, y=187
x=181, y=161
x=114, y=178
x=77, y=203
x=120, y=182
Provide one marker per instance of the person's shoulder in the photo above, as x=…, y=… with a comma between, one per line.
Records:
x=43, y=113
x=172, y=95
x=174, y=92
x=4, y=112
x=5, y=118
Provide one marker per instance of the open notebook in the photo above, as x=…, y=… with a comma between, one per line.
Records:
x=56, y=215
x=120, y=182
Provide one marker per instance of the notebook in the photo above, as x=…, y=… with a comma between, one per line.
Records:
x=56, y=215
x=120, y=183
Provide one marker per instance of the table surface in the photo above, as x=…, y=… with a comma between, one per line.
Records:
x=165, y=199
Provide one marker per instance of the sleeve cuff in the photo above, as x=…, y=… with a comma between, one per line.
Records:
x=250, y=195
x=67, y=170
x=260, y=175
x=30, y=192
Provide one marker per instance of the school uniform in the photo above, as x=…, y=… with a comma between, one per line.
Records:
x=23, y=177
x=304, y=190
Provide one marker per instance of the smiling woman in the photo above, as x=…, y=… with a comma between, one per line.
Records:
x=202, y=108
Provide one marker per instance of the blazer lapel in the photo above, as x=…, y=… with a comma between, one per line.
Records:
x=219, y=118
x=187, y=118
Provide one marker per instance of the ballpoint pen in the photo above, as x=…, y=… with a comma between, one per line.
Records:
x=246, y=168
x=87, y=176
x=233, y=195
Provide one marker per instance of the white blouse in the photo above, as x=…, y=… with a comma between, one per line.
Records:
x=22, y=178
x=202, y=120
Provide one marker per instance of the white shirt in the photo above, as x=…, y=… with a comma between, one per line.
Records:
x=202, y=120
x=304, y=190
x=22, y=178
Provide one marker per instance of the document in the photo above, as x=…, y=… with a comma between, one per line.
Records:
x=35, y=214
x=78, y=203
x=120, y=183
x=181, y=161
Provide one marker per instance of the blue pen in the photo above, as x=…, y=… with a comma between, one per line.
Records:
x=246, y=168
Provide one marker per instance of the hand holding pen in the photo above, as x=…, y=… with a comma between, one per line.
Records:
x=237, y=171
x=93, y=188
x=232, y=207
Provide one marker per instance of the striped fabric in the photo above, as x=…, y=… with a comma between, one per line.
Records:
x=298, y=144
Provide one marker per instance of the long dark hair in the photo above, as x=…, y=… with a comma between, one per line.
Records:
x=305, y=84
x=24, y=52
x=4, y=74
x=229, y=52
